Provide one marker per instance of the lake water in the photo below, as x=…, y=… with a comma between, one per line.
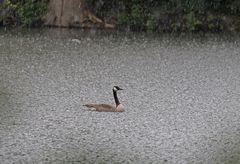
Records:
x=181, y=94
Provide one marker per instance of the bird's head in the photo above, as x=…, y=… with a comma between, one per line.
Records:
x=117, y=88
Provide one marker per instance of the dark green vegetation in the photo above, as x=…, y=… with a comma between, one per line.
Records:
x=171, y=15
x=150, y=15
x=22, y=12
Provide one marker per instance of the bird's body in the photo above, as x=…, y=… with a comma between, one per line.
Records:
x=107, y=107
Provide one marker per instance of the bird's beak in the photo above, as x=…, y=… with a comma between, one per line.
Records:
x=120, y=89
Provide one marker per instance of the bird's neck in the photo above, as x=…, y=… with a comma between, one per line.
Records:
x=115, y=97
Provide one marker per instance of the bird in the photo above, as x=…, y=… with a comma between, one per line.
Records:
x=107, y=107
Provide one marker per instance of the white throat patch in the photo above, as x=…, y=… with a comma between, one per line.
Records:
x=114, y=88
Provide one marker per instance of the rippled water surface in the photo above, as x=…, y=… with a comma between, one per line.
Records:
x=181, y=95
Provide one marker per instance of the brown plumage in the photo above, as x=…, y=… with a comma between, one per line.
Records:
x=106, y=107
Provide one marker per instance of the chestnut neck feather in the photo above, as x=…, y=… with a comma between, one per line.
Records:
x=115, y=97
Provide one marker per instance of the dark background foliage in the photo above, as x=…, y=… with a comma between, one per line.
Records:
x=164, y=15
